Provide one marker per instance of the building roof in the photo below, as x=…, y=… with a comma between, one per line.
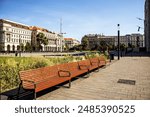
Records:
x=20, y=25
x=68, y=39
x=15, y=24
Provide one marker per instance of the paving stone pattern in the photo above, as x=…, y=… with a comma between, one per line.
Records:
x=103, y=85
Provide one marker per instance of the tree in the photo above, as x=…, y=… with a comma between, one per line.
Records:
x=66, y=47
x=103, y=46
x=122, y=47
x=22, y=47
x=28, y=47
x=41, y=39
x=1, y=47
x=85, y=43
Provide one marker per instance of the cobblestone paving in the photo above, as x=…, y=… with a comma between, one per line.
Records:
x=103, y=84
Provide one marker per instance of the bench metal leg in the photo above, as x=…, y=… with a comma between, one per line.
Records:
x=34, y=95
x=19, y=90
x=69, y=83
x=97, y=69
x=87, y=74
x=34, y=92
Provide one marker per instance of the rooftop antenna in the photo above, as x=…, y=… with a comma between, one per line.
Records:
x=60, y=25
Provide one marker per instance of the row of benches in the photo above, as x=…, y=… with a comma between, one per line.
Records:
x=46, y=77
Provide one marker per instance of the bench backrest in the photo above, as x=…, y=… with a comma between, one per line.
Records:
x=94, y=60
x=85, y=62
x=102, y=60
x=37, y=75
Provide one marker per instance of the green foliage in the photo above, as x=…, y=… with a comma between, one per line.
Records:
x=92, y=54
x=28, y=47
x=85, y=43
x=9, y=74
x=66, y=47
x=22, y=46
x=122, y=47
x=41, y=39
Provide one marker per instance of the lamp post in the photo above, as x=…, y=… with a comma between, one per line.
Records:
x=118, y=25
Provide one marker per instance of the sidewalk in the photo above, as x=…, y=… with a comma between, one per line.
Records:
x=103, y=84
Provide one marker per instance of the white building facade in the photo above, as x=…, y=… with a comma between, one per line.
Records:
x=55, y=41
x=13, y=35
x=70, y=42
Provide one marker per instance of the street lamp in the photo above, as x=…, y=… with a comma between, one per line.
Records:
x=118, y=25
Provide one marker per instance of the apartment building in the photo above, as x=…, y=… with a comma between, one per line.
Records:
x=70, y=42
x=97, y=39
x=12, y=34
x=55, y=41
x=136, y=40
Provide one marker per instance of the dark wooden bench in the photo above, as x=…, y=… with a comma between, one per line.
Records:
x=43, y=78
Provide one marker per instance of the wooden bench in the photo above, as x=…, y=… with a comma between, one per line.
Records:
x=46, y=77
x=43, y=78
x=74, y=69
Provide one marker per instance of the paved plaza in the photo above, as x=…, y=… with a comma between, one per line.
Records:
x=102, y=85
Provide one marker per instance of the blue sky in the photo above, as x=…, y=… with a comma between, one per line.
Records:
x=79, y=17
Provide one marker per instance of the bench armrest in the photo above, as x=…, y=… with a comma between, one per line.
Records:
x=84, y=66
x=29, y=81
x=102, y=60
x=64, y=71
x=92, y=62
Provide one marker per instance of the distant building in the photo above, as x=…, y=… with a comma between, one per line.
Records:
x=147, y=25
x=13, y=34
x=54, y=40
x=132, y=39
x=135, y=39
x=96, y=39
x=70, y=42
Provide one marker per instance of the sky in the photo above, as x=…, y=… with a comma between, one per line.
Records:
x=79, y=17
